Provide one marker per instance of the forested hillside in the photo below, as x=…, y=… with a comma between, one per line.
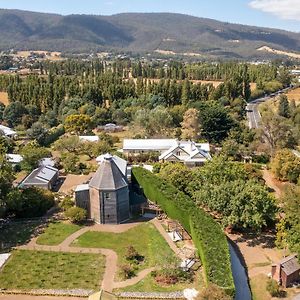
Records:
x=180, y=34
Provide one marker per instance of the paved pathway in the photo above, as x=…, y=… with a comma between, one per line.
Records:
x=108, y=282
x=165, y=235
x=133, y=280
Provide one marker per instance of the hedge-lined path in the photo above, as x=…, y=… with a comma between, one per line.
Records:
x=108, y=283
x=167, y=238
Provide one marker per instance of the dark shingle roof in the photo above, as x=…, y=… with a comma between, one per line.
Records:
x=108, y=176
x=290, y=265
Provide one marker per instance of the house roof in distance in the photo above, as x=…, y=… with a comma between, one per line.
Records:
x=194, y=151
x=7, y=131
x=148, y=144
x=47, y=161
x=89, y=138
x=108, y=176
x=14, y=158
x=161, y=144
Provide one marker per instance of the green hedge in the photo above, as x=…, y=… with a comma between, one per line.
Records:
x=206, y=233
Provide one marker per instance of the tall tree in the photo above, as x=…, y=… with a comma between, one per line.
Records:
x=284, y=107
x=190, y=124
x=6, y=179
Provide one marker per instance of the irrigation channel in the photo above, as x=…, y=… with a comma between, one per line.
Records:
x=242, y=290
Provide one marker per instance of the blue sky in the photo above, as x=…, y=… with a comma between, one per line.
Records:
x=283, y=14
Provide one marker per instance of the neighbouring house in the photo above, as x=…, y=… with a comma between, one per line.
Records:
x=8, y=132
x=287, y=271
x=47, y=161
x=170, y=150
x=44, y=177
x=14, y=159
x=106, y=196
x=89, y=138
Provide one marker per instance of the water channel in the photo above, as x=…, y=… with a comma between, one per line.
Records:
x=240, y=277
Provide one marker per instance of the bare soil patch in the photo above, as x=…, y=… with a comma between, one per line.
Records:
x=4, y=98
x=71, y=182
x=294, y=95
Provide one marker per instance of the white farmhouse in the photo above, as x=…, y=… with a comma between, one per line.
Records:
x=170, y=150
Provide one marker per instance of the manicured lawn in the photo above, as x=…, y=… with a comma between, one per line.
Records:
x=258, y=287
x=52, y=270
x=17, y=233
x=56, y=233
x=144, y=238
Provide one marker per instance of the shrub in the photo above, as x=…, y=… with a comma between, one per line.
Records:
x=127, y=271
x=273, y=288
x=286, y=166
x=29, y=203
x=66, y=203
x=207, y=235
x=132, y=255
x=213, y=292
x=76, y=214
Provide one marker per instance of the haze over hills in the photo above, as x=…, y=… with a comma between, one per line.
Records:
x=140, y=32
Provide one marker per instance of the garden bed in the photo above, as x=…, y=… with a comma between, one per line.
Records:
x=27, y=270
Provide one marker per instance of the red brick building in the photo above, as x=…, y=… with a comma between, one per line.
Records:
x=287, y=271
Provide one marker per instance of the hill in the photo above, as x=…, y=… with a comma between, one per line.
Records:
x=138, y=32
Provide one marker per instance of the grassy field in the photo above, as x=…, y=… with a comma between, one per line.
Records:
x=52, y=270
x=294, y=95
x=4, y=98
x=144, y=238
x=258, y=287
x=56, y=233
x=18, y=233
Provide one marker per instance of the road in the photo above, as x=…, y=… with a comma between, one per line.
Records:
x=253, y=115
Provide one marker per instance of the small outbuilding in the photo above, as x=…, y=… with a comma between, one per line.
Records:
x=287, y=271
x=43, y=177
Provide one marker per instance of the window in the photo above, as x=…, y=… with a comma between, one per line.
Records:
x=106, y=196
x=178, y=153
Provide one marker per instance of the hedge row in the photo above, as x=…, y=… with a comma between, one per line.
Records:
x=207, y=234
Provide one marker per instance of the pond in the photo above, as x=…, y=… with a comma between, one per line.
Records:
x=240, y=277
